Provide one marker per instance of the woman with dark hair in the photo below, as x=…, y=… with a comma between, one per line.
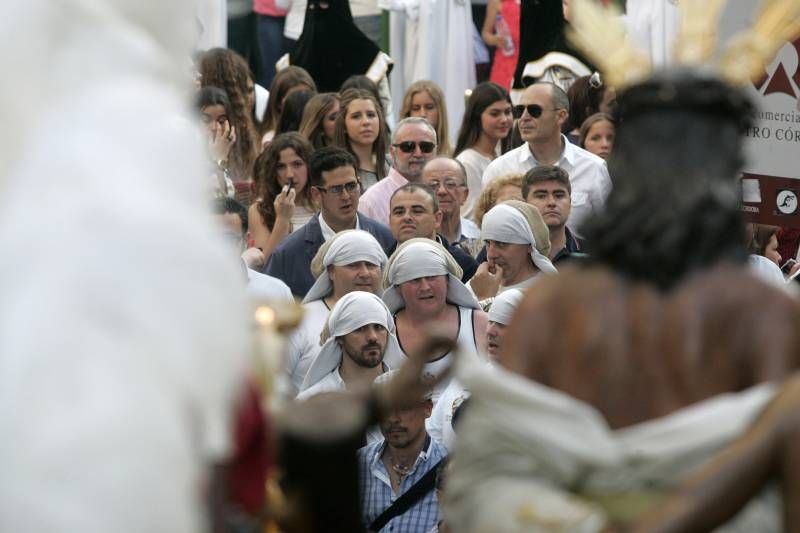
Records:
x=286, y=81
x=292, y=111
x=483, y=136
x=223, y=68
x=214, y=107
x=425, y=99
x=360, y=130
x=318, y=124
x=283, y=196
x=587, y=96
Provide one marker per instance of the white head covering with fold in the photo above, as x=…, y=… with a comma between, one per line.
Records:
x=419, y=258
x=352, y=311
x=504, y=305
x=345, y=248
x=504, y=223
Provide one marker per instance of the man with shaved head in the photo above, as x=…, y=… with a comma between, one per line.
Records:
x=542, y=110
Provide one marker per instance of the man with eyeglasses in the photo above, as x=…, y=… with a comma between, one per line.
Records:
x=413, y=145
x=336, y=190
x=542, y=111
x=448, y=179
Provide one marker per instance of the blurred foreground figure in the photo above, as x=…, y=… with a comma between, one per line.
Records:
x=617, y=379
x=122, y=325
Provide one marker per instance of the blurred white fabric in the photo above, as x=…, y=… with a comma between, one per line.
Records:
x=123, y=320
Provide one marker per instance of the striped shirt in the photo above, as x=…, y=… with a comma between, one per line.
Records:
x=377, y=494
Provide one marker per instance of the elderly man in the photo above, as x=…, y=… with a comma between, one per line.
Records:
x=361, y=345
x=335, y=188
x=541, y=113
x=517, y=246
x=448, y=179
x=352, y=260
x=407, y=457
x=413, y=145
x=414, y=212
x=423, y=288
x=548, y=189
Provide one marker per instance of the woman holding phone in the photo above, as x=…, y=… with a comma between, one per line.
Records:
x=283, y=201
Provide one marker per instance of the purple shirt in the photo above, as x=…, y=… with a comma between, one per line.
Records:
x=375, y=201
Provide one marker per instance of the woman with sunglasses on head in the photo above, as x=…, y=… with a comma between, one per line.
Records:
x=425, y=99
x=360, y=130
x=318, y=124
x=284, y=200
x=483, y=136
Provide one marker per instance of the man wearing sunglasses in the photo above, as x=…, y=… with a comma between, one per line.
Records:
x=413, y=145
x=542, y=111
x=336, y=190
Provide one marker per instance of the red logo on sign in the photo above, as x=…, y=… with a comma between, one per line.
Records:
x=780, y=82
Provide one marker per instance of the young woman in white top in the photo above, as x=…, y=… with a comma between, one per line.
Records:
x=360, y=129
x=484, y=135
x=284, y=198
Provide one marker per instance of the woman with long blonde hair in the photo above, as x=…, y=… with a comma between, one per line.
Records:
x=318, y=124
x=425, y=99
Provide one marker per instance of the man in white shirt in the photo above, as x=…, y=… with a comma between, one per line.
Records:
x=352, y=260
x=233, y=216
x=361, y=345
x=542, y=111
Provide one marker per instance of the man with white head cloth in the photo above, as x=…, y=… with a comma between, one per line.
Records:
x=360, y=346
x=440, y=423
x=423, y=287
x=117, y=380
x=352, y=260
x=517, y=249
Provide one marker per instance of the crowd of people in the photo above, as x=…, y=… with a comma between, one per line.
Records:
x=483, y=282
x=381, y=226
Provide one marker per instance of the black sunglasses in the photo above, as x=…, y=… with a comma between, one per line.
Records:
x=408, y=147
x=350, y=187
x=534, y=110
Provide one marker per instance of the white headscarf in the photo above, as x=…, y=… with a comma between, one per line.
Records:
x=419, y=258
x=345, y=248
x=504, y=223
x=353, y=310
x=504, y=305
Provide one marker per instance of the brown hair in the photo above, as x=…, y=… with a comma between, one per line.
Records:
x=545, y=173
x=341, y=138
x=223, y=68
x=589, y=122
x=266, y=174
x=442, y=137
x=313, y=116
x=488, y=197
x=283, y=81
x=762, y=234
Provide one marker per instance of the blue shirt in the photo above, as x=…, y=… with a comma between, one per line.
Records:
x=377, y=494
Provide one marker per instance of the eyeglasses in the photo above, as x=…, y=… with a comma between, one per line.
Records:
x=450, y=185
x=408, y=147
x=534, y=110
x=350, y=187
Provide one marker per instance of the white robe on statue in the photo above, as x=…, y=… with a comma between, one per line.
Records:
x=432, y=40
x=523, y=451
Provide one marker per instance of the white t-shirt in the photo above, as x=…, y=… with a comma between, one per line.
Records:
x=263, y=287
x=475, y=164
x=588, y=176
